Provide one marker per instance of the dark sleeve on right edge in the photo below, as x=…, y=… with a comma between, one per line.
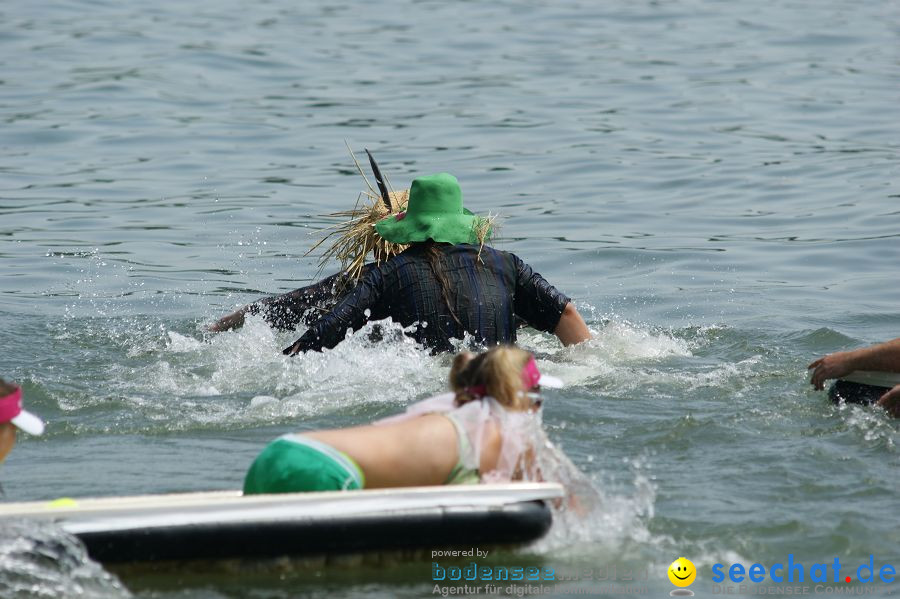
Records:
x=350, y=313
x=538, y=302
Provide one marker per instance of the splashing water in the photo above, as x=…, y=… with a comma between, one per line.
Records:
x=40, y=560
x=587, y=515
x=176, y=380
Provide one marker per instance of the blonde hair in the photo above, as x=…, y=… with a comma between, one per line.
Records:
x=499, y=370
x=356, y=238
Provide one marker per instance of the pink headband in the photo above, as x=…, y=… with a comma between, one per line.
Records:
x=531, y=376
x=11, y=405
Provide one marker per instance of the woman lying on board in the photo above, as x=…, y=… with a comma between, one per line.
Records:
x=487, y=428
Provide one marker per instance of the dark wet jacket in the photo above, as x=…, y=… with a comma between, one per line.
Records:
x=306, y=304
x=486, y=295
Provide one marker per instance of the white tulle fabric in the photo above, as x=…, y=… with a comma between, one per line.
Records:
x=520, y=434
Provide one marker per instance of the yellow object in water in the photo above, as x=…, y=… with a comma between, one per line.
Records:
x=682, y=572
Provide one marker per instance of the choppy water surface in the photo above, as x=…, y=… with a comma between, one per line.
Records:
x=713, y=182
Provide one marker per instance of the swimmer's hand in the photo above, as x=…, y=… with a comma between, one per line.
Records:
x=832, y=366
x=890, y=401
x=292, y=350
x=308, y=342
x=226, y=323
x=883, y=357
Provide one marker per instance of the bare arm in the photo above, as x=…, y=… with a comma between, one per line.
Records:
x=538, y=303
x=231, y=321
x=571, y=328
x=884, y=357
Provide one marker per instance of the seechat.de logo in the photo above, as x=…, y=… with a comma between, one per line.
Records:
x=791, y=571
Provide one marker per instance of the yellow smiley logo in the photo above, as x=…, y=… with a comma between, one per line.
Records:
x=682, y=572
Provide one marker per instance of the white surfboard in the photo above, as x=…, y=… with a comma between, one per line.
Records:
x=873, y=377
x=227, y=525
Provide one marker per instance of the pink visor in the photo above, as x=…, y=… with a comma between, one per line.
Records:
x=11, y=411
x=531, y=378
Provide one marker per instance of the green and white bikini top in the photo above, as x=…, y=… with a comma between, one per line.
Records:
x=519, y=432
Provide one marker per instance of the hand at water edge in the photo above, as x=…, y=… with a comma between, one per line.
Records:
x=832, y=366
x=226, y=323
x=890, y=401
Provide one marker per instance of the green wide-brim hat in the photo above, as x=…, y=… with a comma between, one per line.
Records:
x=435, y=211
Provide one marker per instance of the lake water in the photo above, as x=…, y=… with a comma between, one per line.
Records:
x=714, y=183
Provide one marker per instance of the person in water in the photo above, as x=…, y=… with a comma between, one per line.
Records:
x=883, y=357
x=441, y=278
x=13, y=416
x=486, y=429
x=446, y=284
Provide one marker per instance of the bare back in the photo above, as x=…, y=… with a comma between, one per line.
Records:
x=418, y=451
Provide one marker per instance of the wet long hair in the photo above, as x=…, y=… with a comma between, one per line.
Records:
x=499, y=370
x=434, y=261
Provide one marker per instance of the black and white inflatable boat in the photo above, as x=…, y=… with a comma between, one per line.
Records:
x=863, y=386
x=227, y=525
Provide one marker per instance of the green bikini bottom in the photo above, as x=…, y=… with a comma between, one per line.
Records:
x=294, y=463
